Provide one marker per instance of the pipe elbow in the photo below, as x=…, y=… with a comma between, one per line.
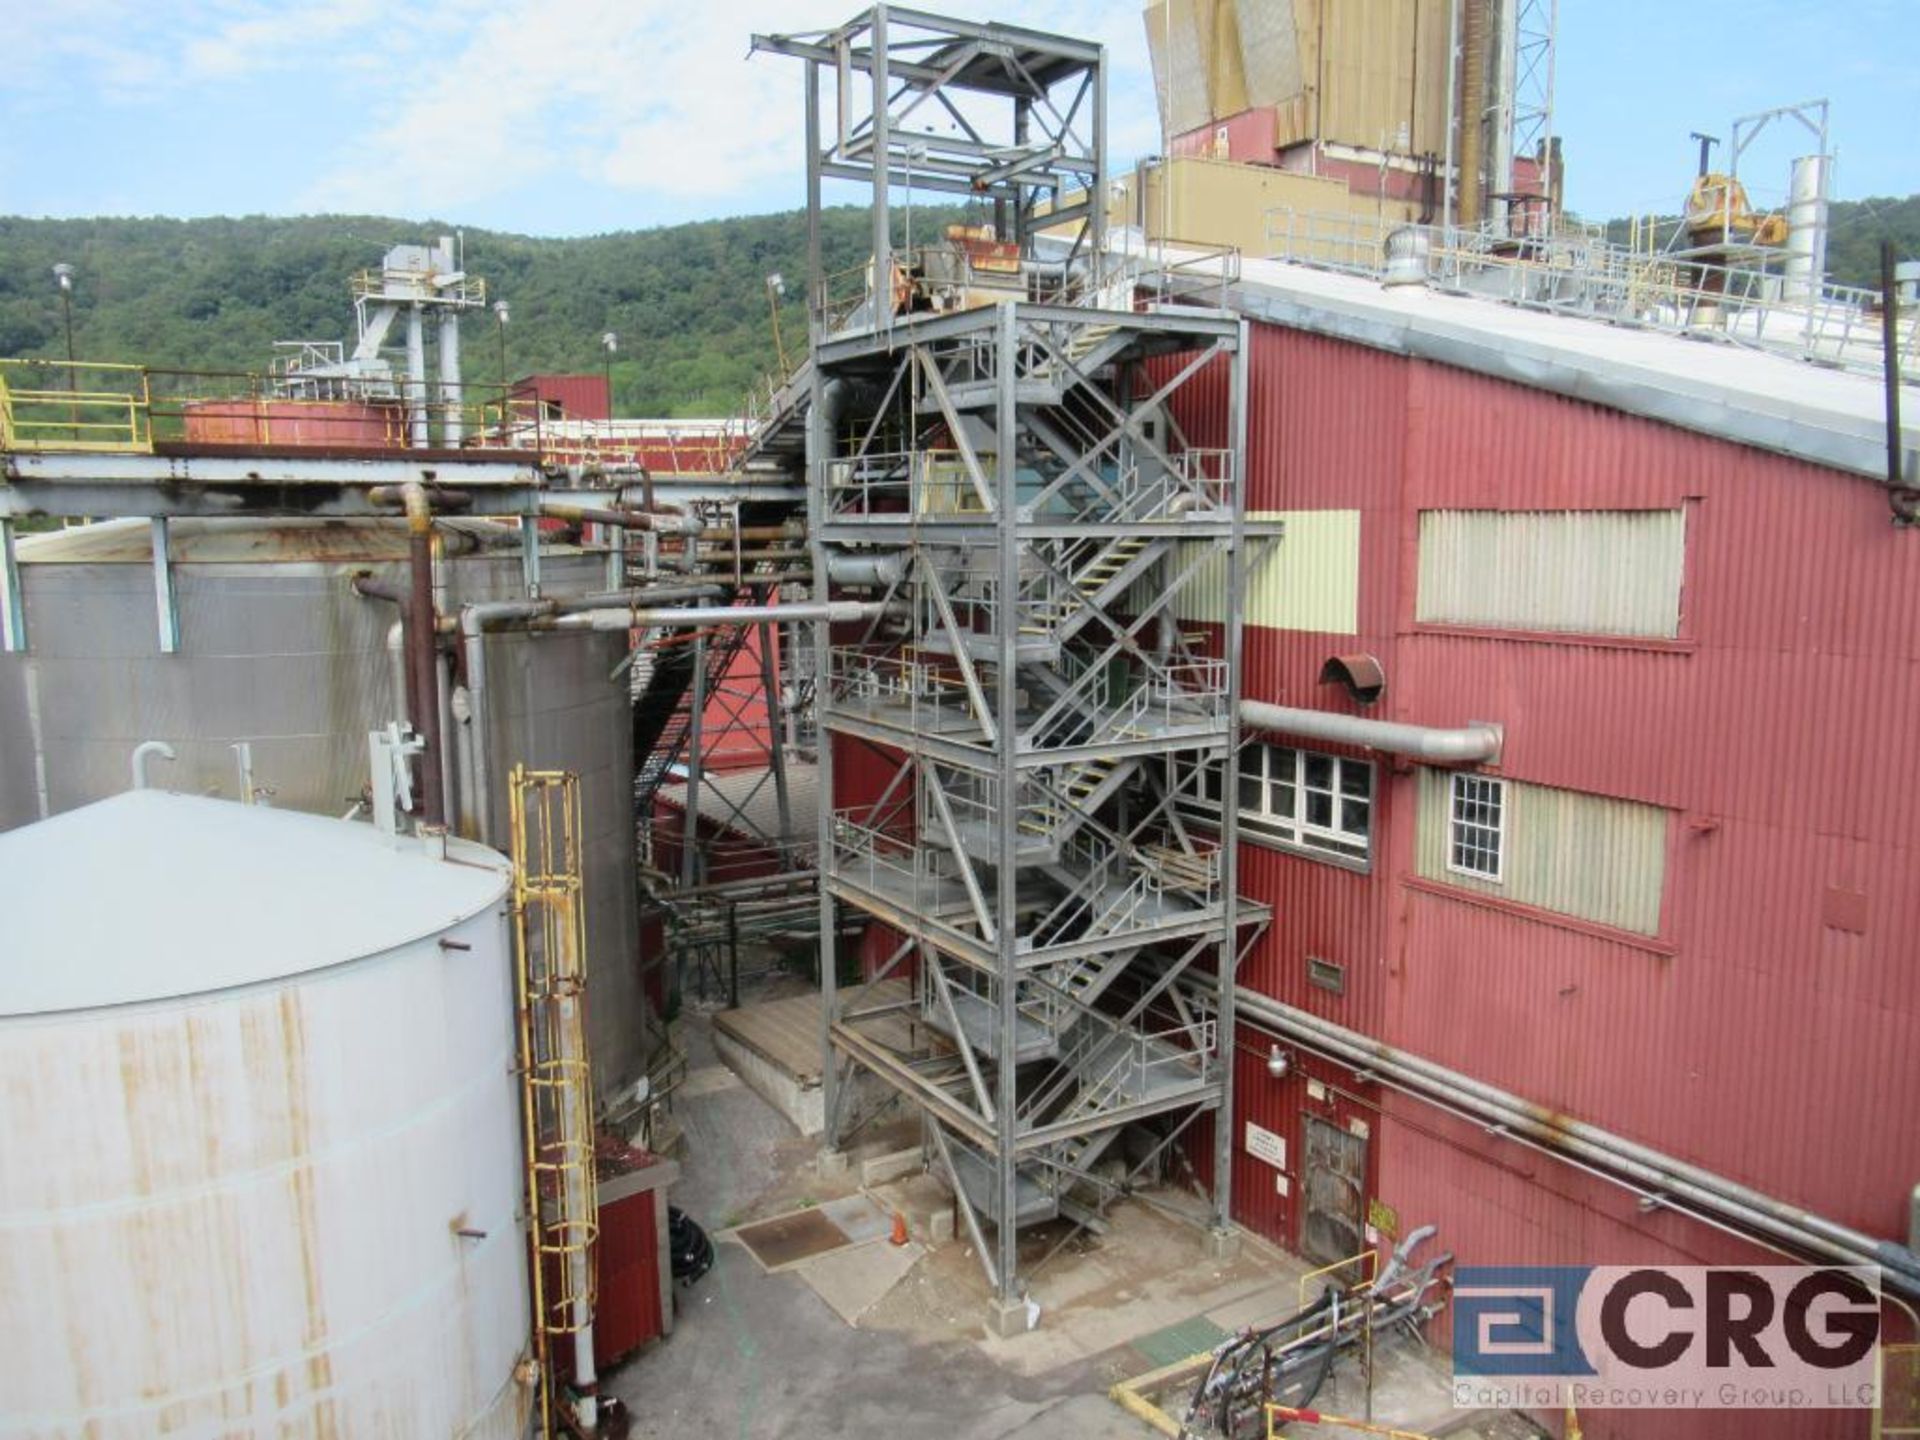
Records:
x=143, y=752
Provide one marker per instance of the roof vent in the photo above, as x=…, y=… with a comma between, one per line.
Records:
x=1407, y=251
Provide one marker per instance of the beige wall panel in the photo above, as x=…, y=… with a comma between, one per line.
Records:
x=1589, y=856
x=1310, y=582
x=1596, y=572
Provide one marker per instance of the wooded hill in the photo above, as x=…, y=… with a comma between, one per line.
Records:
x=689, y=302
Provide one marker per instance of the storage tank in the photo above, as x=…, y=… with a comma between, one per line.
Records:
x=261, y=1130
x=277, y=650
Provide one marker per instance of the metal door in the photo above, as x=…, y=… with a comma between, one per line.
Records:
x=1336, y=1184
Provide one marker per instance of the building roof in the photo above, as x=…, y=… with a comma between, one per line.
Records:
x=150, y=896
x=746, y=803
x=1774, y=402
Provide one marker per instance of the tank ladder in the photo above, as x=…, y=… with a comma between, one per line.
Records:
x=556, y=1090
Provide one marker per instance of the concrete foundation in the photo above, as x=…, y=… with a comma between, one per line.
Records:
x=1222, y=1244
x=1006, y=1319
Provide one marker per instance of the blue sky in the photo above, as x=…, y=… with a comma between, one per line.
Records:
x=561, y=117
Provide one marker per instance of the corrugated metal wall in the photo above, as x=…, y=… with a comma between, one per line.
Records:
x=1601, y=572
x=1588, y=856
x=1763, y=1032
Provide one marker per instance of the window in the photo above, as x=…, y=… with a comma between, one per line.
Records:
x=1300, y=799
x=1477, y=826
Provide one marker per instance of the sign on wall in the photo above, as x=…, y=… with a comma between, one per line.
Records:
x=1267, y=1146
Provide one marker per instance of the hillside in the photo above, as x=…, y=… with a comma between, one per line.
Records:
x=688, y=302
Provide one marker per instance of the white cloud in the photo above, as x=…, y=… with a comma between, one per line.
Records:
x=432, y=106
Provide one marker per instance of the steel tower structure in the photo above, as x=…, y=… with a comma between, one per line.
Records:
x=1006, y=473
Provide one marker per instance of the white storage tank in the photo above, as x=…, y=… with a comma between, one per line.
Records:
x=260, y=1130
x=278, y=651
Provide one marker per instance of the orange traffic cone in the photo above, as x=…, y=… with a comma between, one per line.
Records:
x=899, y=1228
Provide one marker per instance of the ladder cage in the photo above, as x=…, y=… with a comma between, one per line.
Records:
x=549, y=927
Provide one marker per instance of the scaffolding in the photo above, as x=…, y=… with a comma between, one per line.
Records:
x=1005, y=746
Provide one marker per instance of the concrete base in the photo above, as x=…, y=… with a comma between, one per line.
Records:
x=1006, y=1319
x=831, y=1163
x=1222, y=1245
x=891, y=1166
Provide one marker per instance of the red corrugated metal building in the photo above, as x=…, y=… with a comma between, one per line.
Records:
x=1690, y=917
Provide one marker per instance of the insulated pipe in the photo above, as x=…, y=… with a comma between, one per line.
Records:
x=403, y=701
x=142, y=753
x=1658, y=1175
x=832, y=611
x=664, y=524
x=889, y=568
x=421, y=618
x=1468, y=745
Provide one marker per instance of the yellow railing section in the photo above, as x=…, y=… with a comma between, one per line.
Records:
x=43, y=406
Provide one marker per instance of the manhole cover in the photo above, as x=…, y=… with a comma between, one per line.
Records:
x=787, y=1238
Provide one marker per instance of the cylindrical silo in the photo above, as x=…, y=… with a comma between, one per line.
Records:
x=259, y=1115
x=276, y=650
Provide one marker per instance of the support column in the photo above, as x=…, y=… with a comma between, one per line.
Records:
x=1223, y=1129
x=1007, y=722
x=416, y=396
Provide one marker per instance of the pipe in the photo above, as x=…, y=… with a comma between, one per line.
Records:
x=1450, y=182
x=421, y=617
x=1473, y=111
x=404, y=703
x=1656, y=1174
x=1468, y=745
x=831, y=611
x=665, y=524
x=888, y=568
x=144, y=752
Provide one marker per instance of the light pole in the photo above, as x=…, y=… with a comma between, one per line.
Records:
x=776, y=291
x=63, y=273
x=612, y=343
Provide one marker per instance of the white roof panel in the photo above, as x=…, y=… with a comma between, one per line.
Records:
x=149, y=896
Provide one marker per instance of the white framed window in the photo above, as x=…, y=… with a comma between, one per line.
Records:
x=1477, y=827
x=1299, y=799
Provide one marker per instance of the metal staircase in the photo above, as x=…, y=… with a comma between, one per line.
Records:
x=1037, y=689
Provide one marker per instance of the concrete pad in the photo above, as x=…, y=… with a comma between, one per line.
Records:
x=853, y=1280
x=707, y=1080
x=1261, y=1307
x=860, y=1216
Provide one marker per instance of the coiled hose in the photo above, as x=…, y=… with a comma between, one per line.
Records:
x=688, y=1246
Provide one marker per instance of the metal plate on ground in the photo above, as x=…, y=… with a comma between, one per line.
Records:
x=1177, y=1342
x=786, y=1239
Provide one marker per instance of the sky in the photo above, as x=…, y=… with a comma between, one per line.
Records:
x=570, y=117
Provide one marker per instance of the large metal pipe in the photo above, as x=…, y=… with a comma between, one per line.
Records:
x=1652, y=1173
x=1505, y=70
x=1467, y=745
x=1473, y=110
x=452, y=427
x=834, y=612
x=888, y=567
x=421, y=620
